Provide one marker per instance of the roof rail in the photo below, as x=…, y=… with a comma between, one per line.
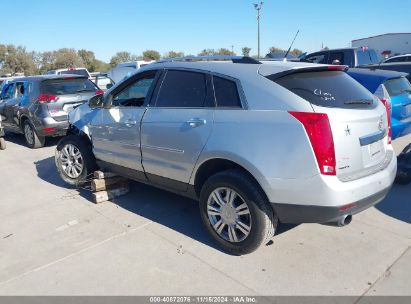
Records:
x=234, y=59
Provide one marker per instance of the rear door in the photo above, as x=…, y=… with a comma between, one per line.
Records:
x=357, y=118
x=14, y=94
x=66, y=94
x=176, y=127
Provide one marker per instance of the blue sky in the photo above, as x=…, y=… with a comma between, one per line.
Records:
x=106, y=27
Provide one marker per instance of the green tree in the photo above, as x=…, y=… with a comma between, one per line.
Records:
x=17, y=60
x=207, y=52
x=151, y=55
x=121, y=57
x=296, y=52
x=246, y=51
x=88, y=58
x=224, y=52
x=274, y=49
x=67, y=58
x=173, y=54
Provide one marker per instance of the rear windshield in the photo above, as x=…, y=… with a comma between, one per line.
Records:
x=67, y=86
x=81, y=72
x=333, y=89
x=367, y=57
x=398, y=86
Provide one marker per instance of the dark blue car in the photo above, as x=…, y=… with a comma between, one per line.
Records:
x=389, y=85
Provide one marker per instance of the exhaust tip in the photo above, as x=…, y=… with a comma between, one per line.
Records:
x=345, y=220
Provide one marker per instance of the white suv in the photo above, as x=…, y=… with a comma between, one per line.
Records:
x=254, y=143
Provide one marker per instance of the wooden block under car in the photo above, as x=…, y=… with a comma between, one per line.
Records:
x=101, y=174
x=103, y=184
x=102, y=196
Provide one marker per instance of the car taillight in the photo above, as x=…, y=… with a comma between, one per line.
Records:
x=319, y=132
x=45, y=98
x=99, y=92
x=387, y=105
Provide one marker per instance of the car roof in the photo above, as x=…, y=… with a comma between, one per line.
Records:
x=372, y=78
x=235, y=70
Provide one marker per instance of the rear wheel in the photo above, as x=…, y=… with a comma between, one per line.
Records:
x=33, y=140
x=74, y=159
x=236, y=212
x=2, y=143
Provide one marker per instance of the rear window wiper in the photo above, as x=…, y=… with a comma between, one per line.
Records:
x=359, y=101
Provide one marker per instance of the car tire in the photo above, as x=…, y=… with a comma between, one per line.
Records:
x=2, y=143
x=75, y=160
x=402, y=178
x=33, y=140
x=253, y=224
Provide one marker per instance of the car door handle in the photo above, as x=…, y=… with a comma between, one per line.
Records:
x=130, y=123
x=195, y=122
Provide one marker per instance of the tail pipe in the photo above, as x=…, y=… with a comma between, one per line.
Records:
x=344, y=220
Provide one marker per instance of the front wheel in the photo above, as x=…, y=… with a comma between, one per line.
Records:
x=74, y=159
x=236, y=212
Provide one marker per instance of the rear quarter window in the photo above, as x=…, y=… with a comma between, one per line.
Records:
x=226, y=93
x=333, y=89
x=367, y=57
x=67, y=86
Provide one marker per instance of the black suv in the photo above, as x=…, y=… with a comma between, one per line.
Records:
x=38, y=106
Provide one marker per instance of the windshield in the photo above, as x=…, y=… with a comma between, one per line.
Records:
x=367, y=57
x=398, y=86
x=67, y=86
x=333, y=89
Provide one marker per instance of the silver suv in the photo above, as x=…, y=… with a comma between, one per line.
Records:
x=254, y=143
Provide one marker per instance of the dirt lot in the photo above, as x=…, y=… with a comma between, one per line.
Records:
x=54, y=241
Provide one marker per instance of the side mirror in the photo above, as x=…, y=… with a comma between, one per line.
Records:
x=96, y=101
x=108, y=86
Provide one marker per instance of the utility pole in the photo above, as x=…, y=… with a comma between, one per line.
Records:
x=258, y=8
x=232, y=50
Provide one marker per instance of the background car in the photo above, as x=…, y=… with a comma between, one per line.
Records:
x=38, y=106
x=102, y=80
x=70, y=71
x=398, y=58
x=393, y=87
x=125, y=69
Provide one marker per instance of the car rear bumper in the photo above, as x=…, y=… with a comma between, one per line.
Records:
x=321, y=199
x=50, y=127
x=297, y=214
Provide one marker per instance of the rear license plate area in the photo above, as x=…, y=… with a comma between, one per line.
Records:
x=70, y=107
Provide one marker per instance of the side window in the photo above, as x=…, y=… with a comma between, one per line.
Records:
x=8, y=91
x=134, y=94
x=226, y=93
x=316, y=58
x=336, y=58
x=182, y=89
x=20, y=89
x=398, y=59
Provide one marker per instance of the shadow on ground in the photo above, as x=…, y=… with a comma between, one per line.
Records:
x=19, y=140
x=397, y=204
x=170, y=210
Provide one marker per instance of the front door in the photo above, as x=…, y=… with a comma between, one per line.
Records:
x=117, y=137
x=176, y=128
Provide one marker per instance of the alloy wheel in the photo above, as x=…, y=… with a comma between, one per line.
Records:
x=229, y=214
